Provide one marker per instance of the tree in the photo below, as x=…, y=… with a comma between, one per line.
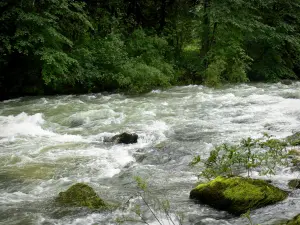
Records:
x=37, y=38
x=258, y=39
x=275, y=53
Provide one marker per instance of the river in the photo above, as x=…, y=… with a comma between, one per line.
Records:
x=50, y=143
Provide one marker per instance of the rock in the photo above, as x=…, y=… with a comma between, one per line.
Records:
x=294, y=184
x=286, y=82
x=76, y=123
x=81, y=195
x=237, y=195
x=294, y=139
x=294, y=221
x=161, y=145
x=125, y=138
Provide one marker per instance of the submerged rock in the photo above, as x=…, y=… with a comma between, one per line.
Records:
x=286, y=82
x=237, y=195
x=81, y=195
x=124, y=138
x=76, y=123
x=294, y=184
x=294, y=139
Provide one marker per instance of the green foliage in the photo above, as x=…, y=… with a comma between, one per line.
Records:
x=195, y=161
x=56, y=66
x=101, y=60
x=249, y=40
x=294, y=221
x=62, y=46
x=141, y=184
x=214, y=72
x=247, y=215
x=131, y=66
x=149, y=202
x=264, y=154
x=139, y=77
x=274, y=51
x=294, y=139
x=41, y=34
x=147, y=67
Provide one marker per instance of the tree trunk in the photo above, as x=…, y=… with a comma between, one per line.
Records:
x=162, y=20
x=205, y=41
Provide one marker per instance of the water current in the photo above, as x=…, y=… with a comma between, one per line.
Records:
x=49, y=143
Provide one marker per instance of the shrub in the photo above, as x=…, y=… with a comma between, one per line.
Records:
x=264, y=154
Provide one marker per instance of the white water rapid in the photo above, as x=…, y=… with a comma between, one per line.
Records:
x=50, y=143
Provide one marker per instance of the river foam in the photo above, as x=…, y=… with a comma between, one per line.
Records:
x=47, y=144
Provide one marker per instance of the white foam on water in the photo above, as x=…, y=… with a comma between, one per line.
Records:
x=12, y=100
x=215, y=116
x=91, y=219
x=23, y=125
x=16, y=197
x=153, y=133
x=99, y=162
x=30, y=126
x=101, y=136
x=67, y=138
x=156, y=91
x=282, y=175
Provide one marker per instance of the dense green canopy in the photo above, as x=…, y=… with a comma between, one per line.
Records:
x=77, y=46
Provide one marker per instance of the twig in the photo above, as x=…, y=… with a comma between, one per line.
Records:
x=146, y=203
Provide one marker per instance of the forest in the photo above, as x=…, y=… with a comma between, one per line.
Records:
x=133, y=46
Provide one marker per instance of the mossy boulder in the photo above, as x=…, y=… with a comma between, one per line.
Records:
x=294, y=184
x=237, y=195
x=81, y=195
x=294, y=139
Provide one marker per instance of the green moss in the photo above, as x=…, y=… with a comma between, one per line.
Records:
x=294, y=139
x=294, y=152
x=294, y=183
x=161, y=145
x=294, y=221
x=295, y=142
x=81, y=195
x=237, y=195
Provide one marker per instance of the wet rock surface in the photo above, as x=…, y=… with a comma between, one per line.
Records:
x=237, y=195
x=81, y=195
x=124, y=138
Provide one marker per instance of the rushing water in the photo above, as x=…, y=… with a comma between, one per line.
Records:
x=50, y=143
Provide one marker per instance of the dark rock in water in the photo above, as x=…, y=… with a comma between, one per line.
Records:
x=294, y=184
x=294, y=139
x=76, y=122
x=294, y=221
x=237, y=195
x=286, y=82
x=81, y=195
x=125, y=138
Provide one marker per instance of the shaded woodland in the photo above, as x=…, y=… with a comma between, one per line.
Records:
x=133, y=46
